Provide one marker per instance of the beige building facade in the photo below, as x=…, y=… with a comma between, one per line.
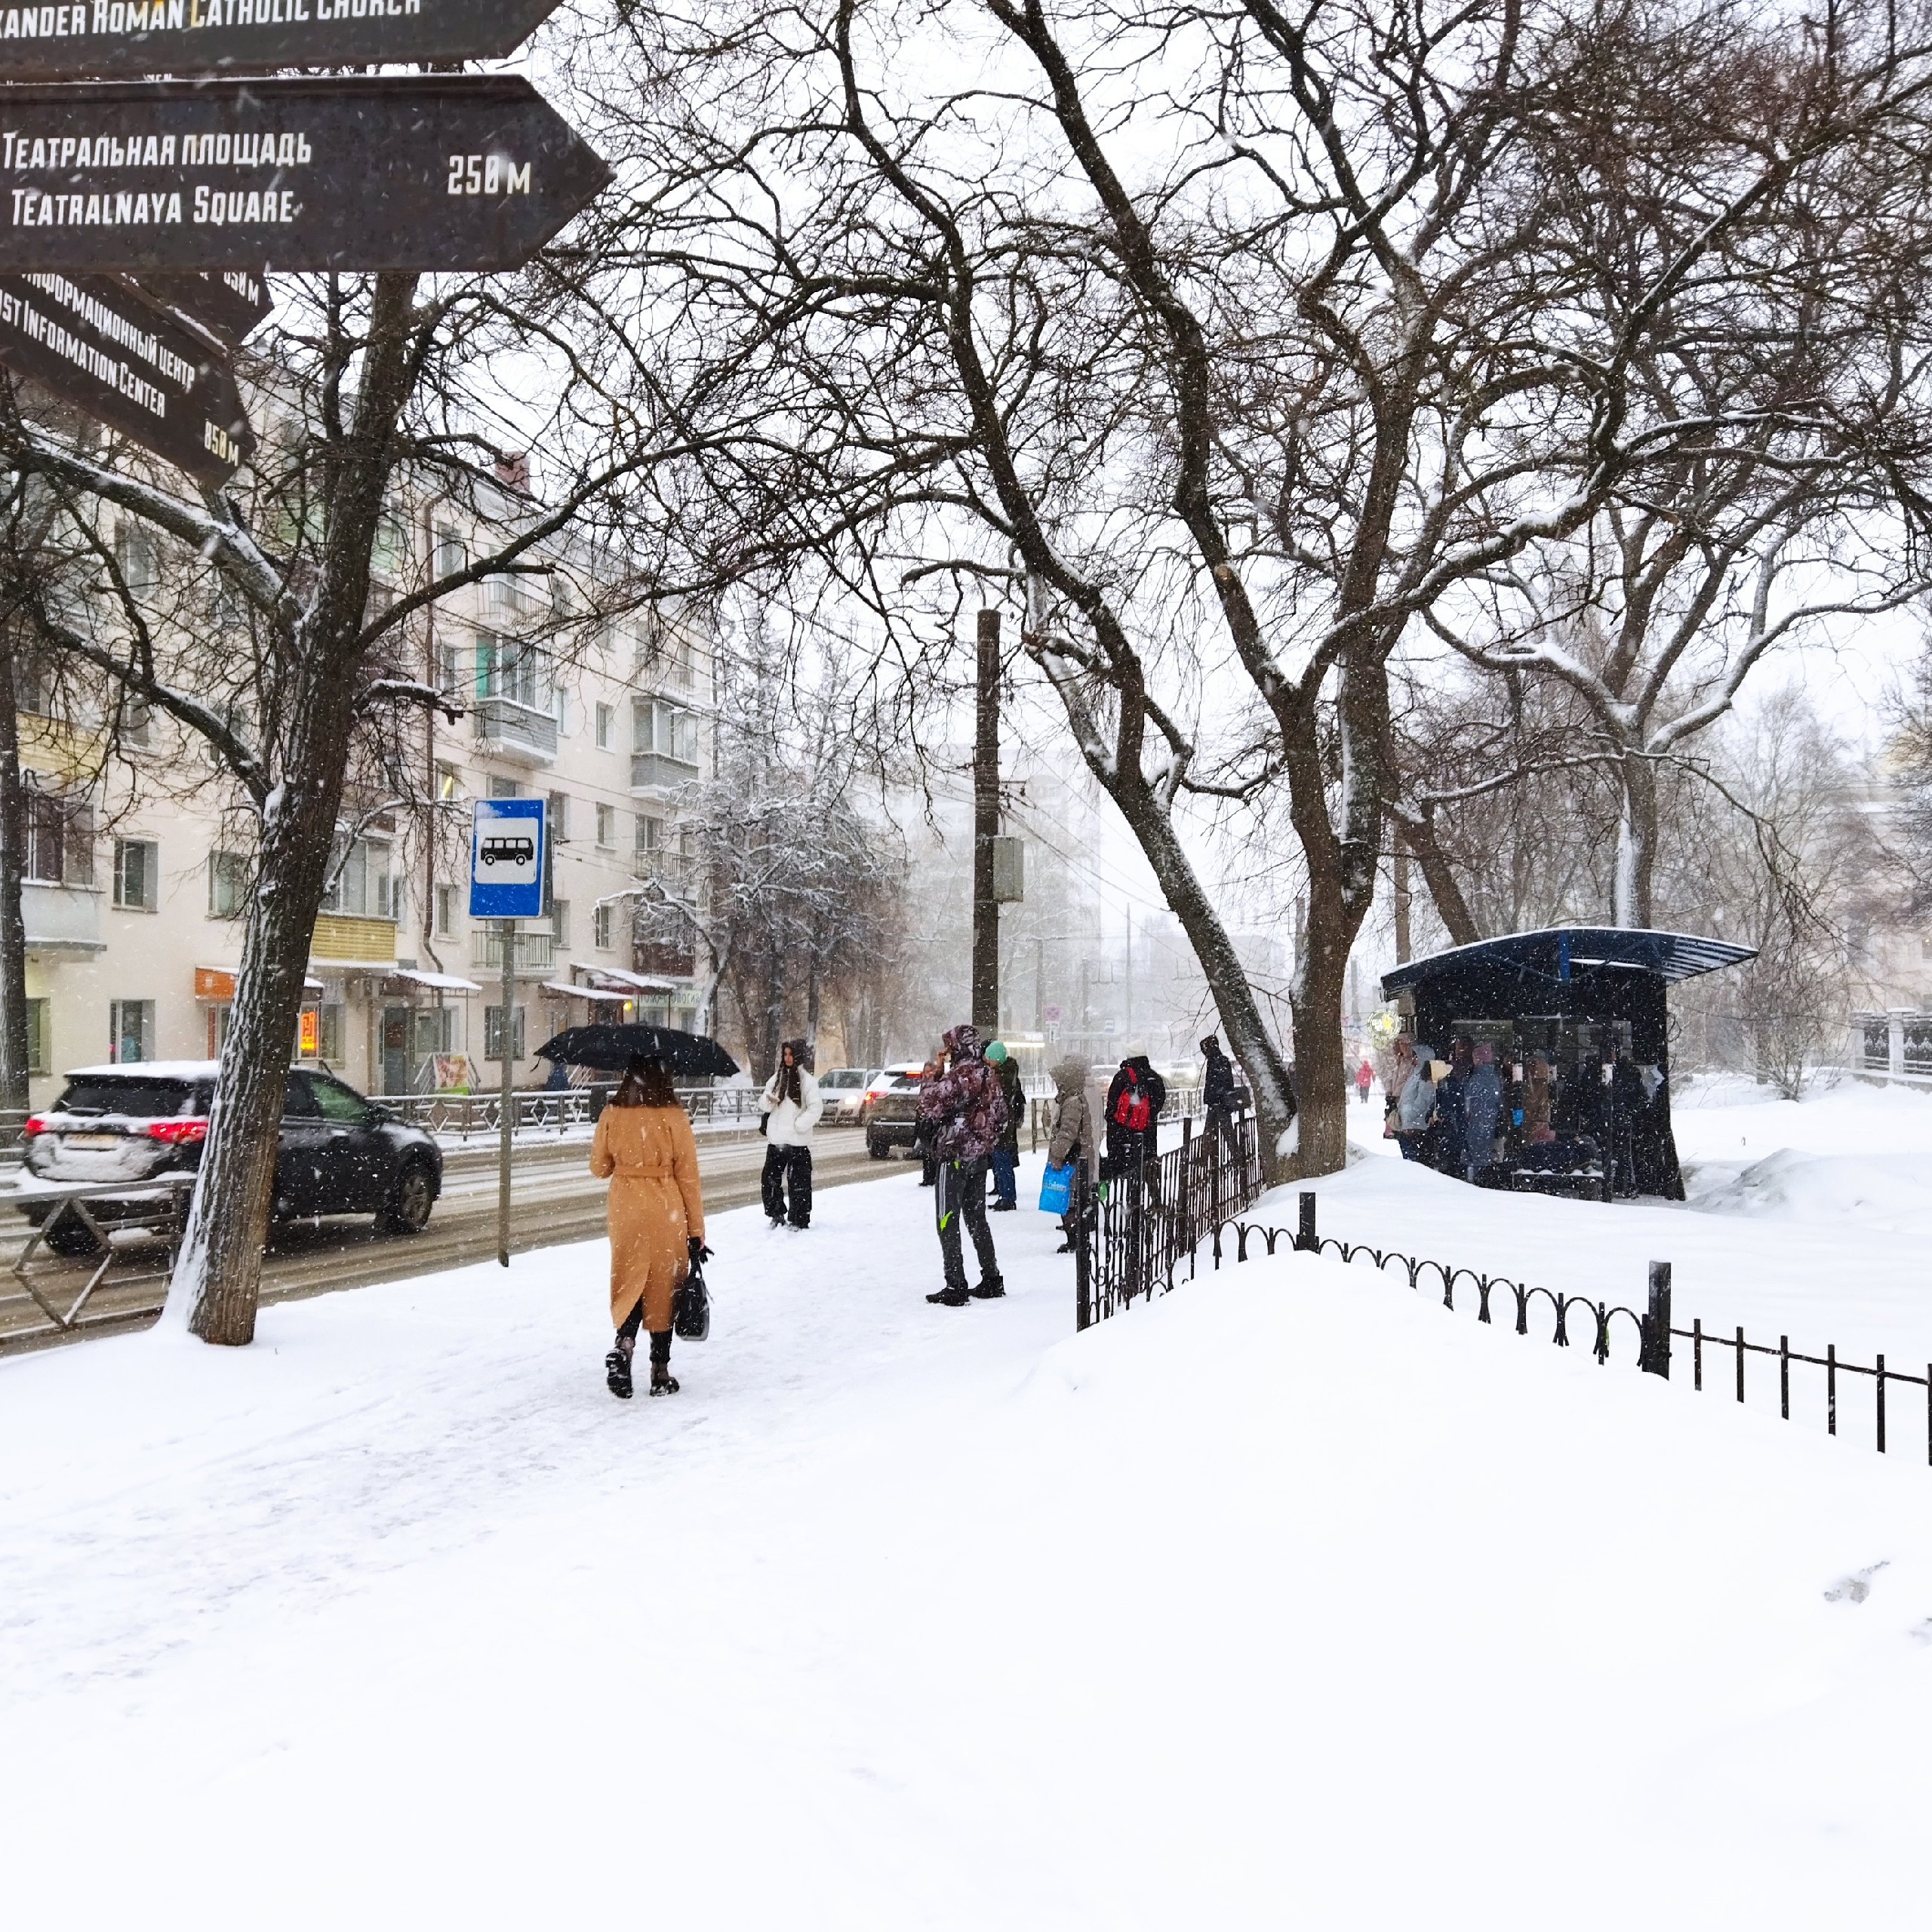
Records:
x=139, y=874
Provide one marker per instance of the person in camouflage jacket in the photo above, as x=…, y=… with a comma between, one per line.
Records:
x=964, y=1105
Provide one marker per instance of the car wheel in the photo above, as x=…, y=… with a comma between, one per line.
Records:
x=410, y=1202
x=878, y=1149
x=69, y=1236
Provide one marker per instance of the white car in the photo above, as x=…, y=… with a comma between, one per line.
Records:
x=843, y=1090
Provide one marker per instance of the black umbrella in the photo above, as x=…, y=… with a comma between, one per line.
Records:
x=610, y=1049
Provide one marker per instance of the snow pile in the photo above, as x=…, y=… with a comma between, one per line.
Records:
x=1291, y=1600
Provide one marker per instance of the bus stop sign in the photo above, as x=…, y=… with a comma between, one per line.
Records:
x=507, y=859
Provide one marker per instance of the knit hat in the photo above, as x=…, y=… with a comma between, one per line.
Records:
x=996, y=1052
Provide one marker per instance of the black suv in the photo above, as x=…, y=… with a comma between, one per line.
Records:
x=340, y=1154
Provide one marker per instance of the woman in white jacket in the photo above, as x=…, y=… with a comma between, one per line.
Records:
x=790, y=1106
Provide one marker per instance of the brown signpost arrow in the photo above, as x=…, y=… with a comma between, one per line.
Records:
x=97, y=342
x=435, y=173
x=231, y=304
x=131, y=37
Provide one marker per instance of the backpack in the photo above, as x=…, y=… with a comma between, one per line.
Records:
x=1132, y=1110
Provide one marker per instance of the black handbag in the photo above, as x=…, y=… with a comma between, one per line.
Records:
x=690, y=1307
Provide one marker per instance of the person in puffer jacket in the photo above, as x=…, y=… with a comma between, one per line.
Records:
x=966, y=1111
x=791, y=1105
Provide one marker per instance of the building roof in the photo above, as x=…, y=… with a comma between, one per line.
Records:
x=1558, y=951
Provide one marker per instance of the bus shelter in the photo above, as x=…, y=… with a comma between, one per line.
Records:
x=1589, y=1004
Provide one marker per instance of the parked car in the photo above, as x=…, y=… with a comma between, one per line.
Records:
x=339, y=1153
x=843, y=1090
x=892, y=1119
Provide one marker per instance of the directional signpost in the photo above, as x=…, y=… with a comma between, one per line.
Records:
x=463, y=172
x=198, y=189
x=231, y=304
x=94, y=340
x=133, y=37
x=506, y=872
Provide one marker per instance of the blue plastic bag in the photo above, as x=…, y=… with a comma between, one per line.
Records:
x=1056, y=1189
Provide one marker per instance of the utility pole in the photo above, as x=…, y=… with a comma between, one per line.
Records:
x=14, y=1046
x=506, y=1042
x=986, y=829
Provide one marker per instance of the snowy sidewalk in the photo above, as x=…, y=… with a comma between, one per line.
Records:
x=1289, y=1600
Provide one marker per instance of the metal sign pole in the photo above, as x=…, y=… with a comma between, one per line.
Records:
x=506, y=1042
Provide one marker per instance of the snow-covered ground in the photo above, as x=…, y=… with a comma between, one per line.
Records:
x=1290, y=1600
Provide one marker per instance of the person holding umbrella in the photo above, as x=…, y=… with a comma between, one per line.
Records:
x=791, y=1104
x=645, y=1147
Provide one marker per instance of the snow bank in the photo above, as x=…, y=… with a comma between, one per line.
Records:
x=1291, y=1600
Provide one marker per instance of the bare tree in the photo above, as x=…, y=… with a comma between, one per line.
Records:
x=1231, y=341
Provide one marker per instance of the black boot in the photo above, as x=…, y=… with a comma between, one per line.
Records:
x=952, y=1297
x=617, y=1372
x=992, y=1289
x=662, y=1382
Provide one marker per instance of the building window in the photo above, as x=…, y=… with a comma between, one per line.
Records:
x=445, y=911
x=448, y=785
x=493, y=1033
x=449, y=666
x=328, y=1033
x=607, y=719
x=606, y=825
x=363, y=886
x=650, y=840
x=137, y=721
x=511, y=668
x=668, y=730
x=137, y=874
x=684, y=667
x=502, y=788
x=228, y=884
x=452, y=553
x=130, y=1030
x=59, y=838
x=559, y=817
x=601, y=921
x=39, y=1052
x=560, y=920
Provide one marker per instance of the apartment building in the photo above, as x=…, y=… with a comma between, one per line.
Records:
x=139, y=878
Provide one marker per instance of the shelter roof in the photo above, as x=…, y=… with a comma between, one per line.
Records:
x=1557, y=951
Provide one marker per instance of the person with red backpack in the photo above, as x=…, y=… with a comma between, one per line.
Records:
x=1135, y=1097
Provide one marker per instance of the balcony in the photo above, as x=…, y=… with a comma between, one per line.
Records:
x=506, y=729
x=347, y=938
x=62, y=918
x=536, y=953
x=653, y=772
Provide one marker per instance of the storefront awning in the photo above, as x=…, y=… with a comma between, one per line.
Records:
x=218, y=982
x=588, y=992
x=441, y=983
x=616, y=975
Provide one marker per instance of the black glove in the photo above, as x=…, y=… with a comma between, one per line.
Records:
x=697, y=1250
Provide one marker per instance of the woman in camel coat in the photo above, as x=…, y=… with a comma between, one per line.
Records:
x=645, y=1149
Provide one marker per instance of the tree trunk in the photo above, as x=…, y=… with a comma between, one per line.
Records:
x=14, y=1052
x=1636, y=843
x=1399, y=870
x=1244, y=1030
x=218, y=1277
x=1445, y=890
x=1315, y=1000
x=811, y=1015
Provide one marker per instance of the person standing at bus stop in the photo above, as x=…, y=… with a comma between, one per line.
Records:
x=644, y=1148
x=791, y=1104
x=1006, y=1154
x=962, y=1102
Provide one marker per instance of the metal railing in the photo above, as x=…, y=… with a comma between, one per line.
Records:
x=541, y=1110
x=1651, y=1330
x=1136, y=1224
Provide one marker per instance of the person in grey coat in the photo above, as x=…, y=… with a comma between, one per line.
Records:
x=1076, y=1138
x=1482, y=1110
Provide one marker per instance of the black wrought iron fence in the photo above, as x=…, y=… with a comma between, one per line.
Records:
x=1649, y=1332
x=1138, y=1223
